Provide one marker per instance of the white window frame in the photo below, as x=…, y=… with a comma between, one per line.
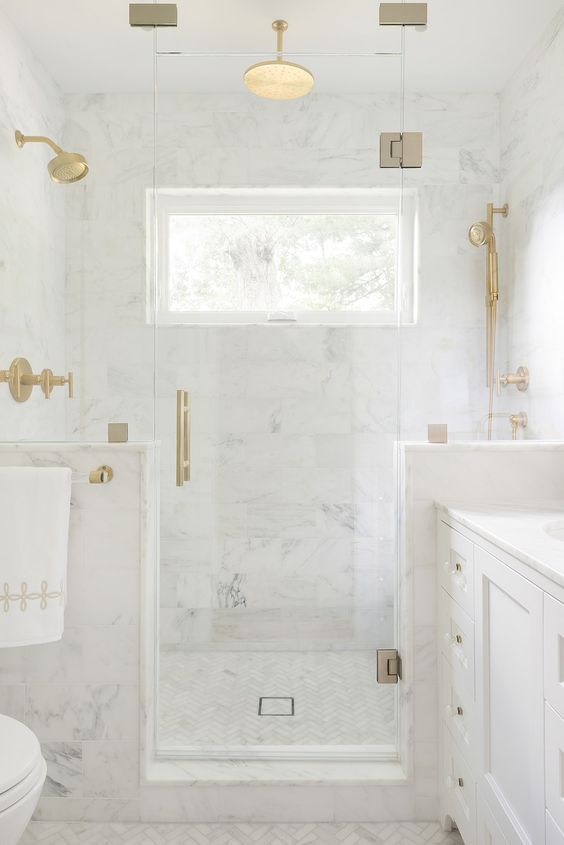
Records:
x=257, y=201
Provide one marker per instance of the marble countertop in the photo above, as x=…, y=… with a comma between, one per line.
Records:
x=532, y=534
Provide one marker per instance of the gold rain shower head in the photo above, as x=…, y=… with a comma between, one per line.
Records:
x=277, y=79
x=65, y=167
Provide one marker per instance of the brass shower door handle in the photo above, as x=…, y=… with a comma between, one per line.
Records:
x=183, y=424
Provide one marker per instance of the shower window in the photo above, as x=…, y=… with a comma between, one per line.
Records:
x=313, y=257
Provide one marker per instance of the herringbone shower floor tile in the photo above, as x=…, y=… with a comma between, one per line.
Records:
x=212, y=698
x=389, y=833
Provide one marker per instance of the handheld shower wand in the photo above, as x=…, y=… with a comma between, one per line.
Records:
x=482, y=234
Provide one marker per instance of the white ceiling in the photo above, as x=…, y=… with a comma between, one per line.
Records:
x=468, y=46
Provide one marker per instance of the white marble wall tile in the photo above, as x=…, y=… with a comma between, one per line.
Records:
x=65, y=769
x=32, y=268
x=306, y=803
x=57, y=713
x=532, y=251
x=111, y=769
x=12, y=699
x=373, y=803
x=195, y=804
x=113, y=597
x=87, y=809
x=86, y=655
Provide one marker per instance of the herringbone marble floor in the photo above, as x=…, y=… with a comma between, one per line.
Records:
x=212, y=698
x=389, y=833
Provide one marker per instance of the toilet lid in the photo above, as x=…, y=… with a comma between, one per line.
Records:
x=21, y=752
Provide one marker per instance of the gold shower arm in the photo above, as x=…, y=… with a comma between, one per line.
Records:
x=36, y=139
x=279, y=28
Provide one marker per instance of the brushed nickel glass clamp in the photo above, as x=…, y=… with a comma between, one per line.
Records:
x=403, y=14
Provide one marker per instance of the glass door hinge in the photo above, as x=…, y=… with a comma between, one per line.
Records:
x=388, y=666
x=403, y=14
x=401, y=149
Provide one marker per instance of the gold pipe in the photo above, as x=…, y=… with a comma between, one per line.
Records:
x=482, y=234
x=36, y=139
x=279, y=28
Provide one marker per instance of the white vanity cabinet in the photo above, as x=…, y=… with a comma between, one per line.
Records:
x=501, y=667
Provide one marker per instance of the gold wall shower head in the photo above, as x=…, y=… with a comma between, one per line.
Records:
x=277, y=79
x=480, y=234
x=65, y=167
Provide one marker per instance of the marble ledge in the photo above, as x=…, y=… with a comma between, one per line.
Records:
x=77, y=446
x=482, y=446
x=518, y=530
x=273, y=773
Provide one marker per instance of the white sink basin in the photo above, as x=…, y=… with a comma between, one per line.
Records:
x=555, y=529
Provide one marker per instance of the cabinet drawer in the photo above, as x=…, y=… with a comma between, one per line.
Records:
x=554, y=653
x=554, y=756
x=456, y=566
x=459, y=790
x=554, y=835
x=456, y=633
x=458, y=710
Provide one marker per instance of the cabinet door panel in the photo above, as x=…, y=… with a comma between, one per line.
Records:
x=554, y=835
x=488, y=830
x=509, y=684
x=554, y=653
x=554, y=763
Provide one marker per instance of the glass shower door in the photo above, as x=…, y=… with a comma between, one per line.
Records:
x=278, y=302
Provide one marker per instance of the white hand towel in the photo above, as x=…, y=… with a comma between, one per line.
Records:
x=34, y=529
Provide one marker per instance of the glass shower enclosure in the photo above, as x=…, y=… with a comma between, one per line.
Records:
x=282, y=261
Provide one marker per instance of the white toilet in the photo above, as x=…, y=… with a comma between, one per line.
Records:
x=22, y=774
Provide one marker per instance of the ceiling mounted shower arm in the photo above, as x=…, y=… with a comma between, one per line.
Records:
x=280, y=28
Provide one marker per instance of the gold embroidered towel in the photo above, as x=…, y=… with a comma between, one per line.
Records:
x=34, y=530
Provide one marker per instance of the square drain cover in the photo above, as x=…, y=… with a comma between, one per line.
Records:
x=272, y=706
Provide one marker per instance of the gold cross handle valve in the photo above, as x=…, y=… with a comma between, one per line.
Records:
x=49, y=381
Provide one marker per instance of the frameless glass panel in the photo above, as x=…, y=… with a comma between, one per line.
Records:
x=281, y=281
